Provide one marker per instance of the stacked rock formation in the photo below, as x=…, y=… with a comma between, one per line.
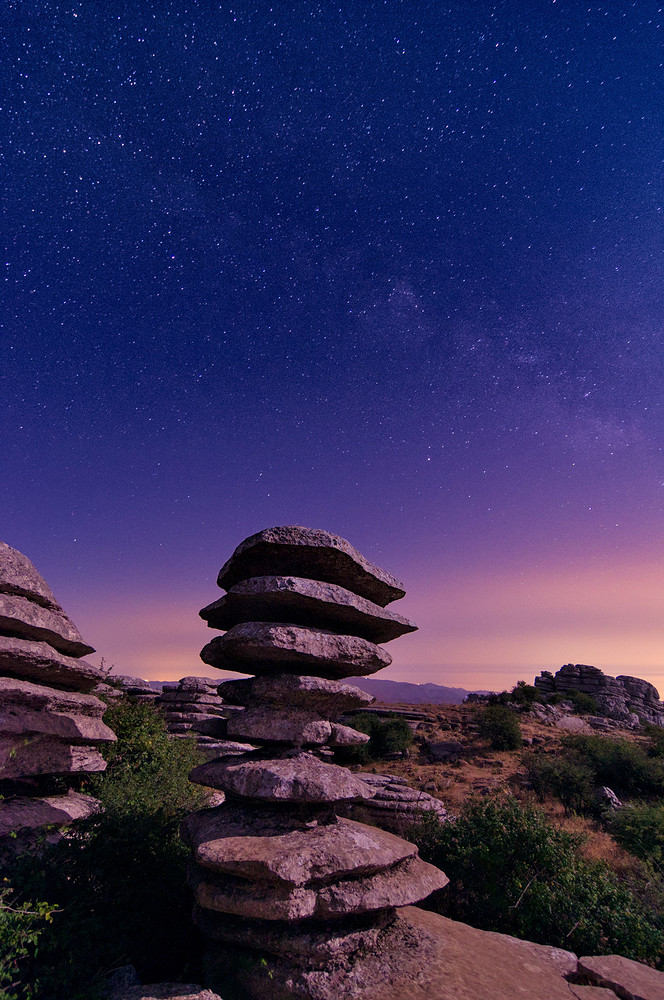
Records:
x=395, y=806
x=49, y=723
x=275, y=870
x=134, y=688
x=626, y=699
x=193, y=707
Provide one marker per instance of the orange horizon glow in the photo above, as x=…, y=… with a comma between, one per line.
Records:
x=475, y=631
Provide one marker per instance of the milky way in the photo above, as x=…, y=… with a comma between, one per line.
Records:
x=392, y=268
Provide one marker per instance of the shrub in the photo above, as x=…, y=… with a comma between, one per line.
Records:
x=511, y=871
x=525, y=694
x=500, y=726
x=640, y=830
x=386, y=736
x=624, y=766
x=120, y=879
x=568, y=779
x=21, y=924
x=584, y=704
x=655, y=736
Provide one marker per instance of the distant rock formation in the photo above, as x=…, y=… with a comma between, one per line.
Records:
x=628, y=700
x=49, y=722
x=193, y=708
x=277, y=874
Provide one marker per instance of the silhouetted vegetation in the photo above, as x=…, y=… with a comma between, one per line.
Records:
x=119, y=880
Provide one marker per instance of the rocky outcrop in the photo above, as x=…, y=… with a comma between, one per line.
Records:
x=628, y=700
x=277, y=870
x=50, y=725
x=192, y=708
x=395, y=805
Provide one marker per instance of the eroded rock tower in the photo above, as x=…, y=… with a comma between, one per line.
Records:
x=278, y=877
x=49, y=723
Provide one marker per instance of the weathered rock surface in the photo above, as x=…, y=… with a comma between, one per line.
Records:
x=299, y=857
x=261, y=647
x=18, y=694
x=403, y=883
x=25, y=619
x=297, y=601
x=318, y=694
x=19, y=577
x=629, y=980
x=293, y=550
x=24, y=757
x=166, y=991
x=298, y=778
x=36, y=661
x=63, y=725
x=266, y=725
x=395, y=806
x=620, y=698
x=19, y=812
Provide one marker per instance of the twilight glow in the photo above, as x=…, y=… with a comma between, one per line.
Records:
x=393, y=270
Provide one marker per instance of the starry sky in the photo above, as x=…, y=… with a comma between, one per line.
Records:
x=391, y=268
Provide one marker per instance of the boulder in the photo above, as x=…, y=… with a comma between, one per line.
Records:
x=264, y=648
x=312, y=603
x=63, y=725
x=329, y=698
x=24, y=619
x=36, y=661
x=628, y=979
x=300, y=777
x=293, y=550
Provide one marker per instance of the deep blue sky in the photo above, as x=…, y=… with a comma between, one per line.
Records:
x=389, y=268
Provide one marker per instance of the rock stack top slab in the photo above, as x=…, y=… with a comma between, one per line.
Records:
x=293, y=550
x=19, y=577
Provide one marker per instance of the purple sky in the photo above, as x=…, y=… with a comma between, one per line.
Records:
x=393, y=269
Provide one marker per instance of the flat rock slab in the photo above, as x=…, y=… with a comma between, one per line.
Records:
x=329, y=698
x=303, y=857
x=293, y=550
x=266, y=648
x=64, y=725
x=294, y=600
x=406, y=882
x=628, y=979
x=265, y=724
x=299, y=778
x=18, y=576
x=32, y=660
x=22, y=757
x=24, y=619
x=590, y=992
x=21, y=813
x=20, y=694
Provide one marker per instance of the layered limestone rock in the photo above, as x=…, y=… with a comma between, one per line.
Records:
x=49, y=722
x=628, y=700
x=278, y=869
x=193, y=708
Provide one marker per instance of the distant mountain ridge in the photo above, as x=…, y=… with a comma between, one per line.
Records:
x=406, y=693
x=392, y=692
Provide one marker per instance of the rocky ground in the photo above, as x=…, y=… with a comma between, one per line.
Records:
x=451, y=761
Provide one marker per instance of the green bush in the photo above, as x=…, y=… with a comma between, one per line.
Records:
x=119, y=880
x=386, y=736
x=655, y=736
x=567, y=778
x=500, y=726
x=584, y=704
x=21, y=925
x=640, y=830
x=623, y=766
x=511, y=871
x=525, y=694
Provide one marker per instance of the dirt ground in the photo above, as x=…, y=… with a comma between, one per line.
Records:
x=475, y=769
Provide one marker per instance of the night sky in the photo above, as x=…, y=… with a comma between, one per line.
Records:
x=393, y=269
